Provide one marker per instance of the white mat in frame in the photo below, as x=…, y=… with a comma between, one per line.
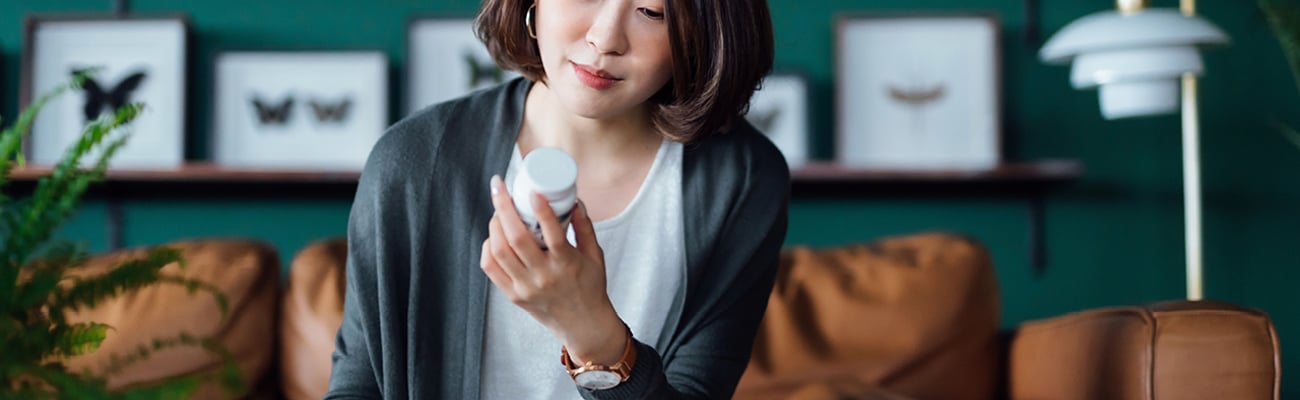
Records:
x=139, y=60
x=445, y=61
x=918, y=91
x=299, y=110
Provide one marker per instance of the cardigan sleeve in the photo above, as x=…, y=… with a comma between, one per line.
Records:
x=356, y=371
x=717, y=342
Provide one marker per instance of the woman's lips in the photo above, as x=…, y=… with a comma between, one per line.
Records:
x=594, y=78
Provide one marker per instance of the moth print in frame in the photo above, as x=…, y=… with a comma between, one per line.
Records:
x=318, y=110
x=335, y=112
x=272, y=113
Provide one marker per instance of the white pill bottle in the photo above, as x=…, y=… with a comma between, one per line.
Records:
x=552, y=173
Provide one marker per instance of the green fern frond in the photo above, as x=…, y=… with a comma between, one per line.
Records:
x=79, y=339
x=37, y=289
x=130, y=275
x=66, y=385
x=1284, y=17
x=194, y=285
x=34, y=343
x=34, y=335
x=30, y=393
x=228, y=376
x=11, y=139
x=61, y=255
x=46, y=273
x=10, y=328
x=56, y=195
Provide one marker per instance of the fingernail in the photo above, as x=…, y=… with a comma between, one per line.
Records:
x=496, y=180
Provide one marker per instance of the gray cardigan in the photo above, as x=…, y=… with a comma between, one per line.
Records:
x=414, y=313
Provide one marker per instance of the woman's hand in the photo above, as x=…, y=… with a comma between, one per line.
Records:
x=563, y=287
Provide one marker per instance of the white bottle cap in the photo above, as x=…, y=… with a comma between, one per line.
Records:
x=552, y=173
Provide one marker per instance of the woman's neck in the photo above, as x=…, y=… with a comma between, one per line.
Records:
x=548, y=124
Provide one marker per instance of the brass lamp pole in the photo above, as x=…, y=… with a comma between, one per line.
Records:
x=1191, y=161
x=1192, y=175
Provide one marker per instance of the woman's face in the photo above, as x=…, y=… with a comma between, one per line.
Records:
x=603, y=58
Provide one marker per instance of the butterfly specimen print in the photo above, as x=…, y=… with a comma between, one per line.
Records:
x=272, y=114
x=917, y=98
x=335, y=112
x=99, y=97
x=764, y=121
x=480, y=71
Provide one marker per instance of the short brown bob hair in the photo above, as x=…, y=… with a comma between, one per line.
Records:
x=721, y=50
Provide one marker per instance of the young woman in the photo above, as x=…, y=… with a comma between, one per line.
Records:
x=659, y=286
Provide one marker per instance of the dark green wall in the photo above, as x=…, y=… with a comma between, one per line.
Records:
x=1114, y=238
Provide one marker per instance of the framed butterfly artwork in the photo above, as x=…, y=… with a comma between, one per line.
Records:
x=132, y=59
x=779, y=109
x=918, y=91
x=299, y=110
x=446, y=60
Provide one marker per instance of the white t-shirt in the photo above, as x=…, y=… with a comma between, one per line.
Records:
x=645, y=259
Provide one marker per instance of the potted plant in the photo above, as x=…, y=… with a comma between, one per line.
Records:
x=36, y=291
x=1284, y=17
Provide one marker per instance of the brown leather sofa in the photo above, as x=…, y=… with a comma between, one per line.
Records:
x=910, y=317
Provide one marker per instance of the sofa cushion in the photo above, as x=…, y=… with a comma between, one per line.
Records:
x=1172, y=350
x=312, y=314
x=842, y=390
x=916, y=315
x=247, y=272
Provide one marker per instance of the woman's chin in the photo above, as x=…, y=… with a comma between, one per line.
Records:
x=595, y=108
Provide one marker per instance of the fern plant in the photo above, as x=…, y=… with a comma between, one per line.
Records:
x=1284, y=17
x=37, y=292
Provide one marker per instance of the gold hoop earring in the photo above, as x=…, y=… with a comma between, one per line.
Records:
x=528, y=21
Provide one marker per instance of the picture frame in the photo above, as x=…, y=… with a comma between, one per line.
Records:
x=138, y=59
x=779, y=109
x=298, y=110
x=446, y=60
x=918, y=91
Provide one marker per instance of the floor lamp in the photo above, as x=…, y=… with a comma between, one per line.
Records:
x=1137, y=57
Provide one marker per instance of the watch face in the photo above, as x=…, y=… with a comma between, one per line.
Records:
x=597, y=380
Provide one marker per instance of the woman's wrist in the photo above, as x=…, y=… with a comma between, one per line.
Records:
x=601, y=340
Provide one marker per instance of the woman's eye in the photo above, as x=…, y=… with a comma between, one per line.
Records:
x=652, y=14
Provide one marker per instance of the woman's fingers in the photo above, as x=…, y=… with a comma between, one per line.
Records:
x=513, y=231
x=585, y=234
x=502, y=253
x=493, y=271
x=552, y=233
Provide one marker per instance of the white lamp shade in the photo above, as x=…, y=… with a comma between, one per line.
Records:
x=1128, y=65
x=1135, y=59
x=1140, y=98
x=1112, y=30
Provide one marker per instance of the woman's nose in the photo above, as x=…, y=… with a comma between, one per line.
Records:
x=606, y=34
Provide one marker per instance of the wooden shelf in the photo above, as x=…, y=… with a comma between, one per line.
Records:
x=199, y=172
x=1027, y=180
x=1028, y=172
x=815, y=173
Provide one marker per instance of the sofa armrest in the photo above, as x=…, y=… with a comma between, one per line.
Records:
x=1172, y=350
x=311, y=313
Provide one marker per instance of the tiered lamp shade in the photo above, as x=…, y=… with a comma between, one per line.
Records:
x=1135, y=59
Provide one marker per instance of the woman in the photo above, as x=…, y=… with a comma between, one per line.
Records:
x=673, y=250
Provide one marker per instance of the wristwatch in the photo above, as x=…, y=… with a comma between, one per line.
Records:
x=600, y=377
